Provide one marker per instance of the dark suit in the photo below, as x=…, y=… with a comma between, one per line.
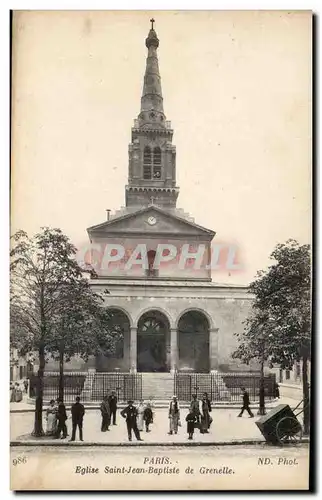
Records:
x=61, y=417
x=246, y=405
x=78, y=412
x=112, y=401
x=130, y=413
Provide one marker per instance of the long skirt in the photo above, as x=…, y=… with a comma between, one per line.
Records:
x=140, y=421
x=205, y=422
x=51, y=426
x=148, y=416
x=173, y=421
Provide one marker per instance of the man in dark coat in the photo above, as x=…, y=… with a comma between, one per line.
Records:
x=105, y=411
x=61, y=417
x=112, y=401
x=78, y=412
x=130, y=414
x=245, y=404
x=194, y=408
x=25, y=384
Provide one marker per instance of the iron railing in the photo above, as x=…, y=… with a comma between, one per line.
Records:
x=222, y=386
x=73, y=385
x=93, y=386
x=126, y=385
x=90, y=386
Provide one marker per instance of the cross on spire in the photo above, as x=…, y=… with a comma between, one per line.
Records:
x=152, y=21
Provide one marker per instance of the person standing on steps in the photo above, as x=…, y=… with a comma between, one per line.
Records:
x=78, y=412
x=245, y=404
x=106, y=415
x=112, y=401
x=130, y=413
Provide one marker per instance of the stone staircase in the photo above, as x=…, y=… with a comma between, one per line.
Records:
x=158, y=385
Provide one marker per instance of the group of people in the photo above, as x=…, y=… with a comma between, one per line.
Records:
x=108, y=411
x=137, y=417
x=198, y=415
x=56, y=417
x=17, y=389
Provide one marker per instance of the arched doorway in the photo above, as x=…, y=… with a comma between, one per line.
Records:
x=118, y=355
x=193, y=336
x=152, y=342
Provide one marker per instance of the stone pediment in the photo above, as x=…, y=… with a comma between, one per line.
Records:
x=150, y=220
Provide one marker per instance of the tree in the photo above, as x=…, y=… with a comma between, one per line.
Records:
x=281, y=312
x=53, y=309
x=254, y=344
x=81, y=325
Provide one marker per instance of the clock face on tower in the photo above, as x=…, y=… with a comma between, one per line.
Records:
x=152, y=220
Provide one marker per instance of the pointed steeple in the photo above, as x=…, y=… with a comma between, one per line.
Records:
x=152, y=156
x=152, y=115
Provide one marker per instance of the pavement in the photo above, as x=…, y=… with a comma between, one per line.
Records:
x=226, y=429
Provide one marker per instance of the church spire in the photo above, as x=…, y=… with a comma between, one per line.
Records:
x=152, y=156
x=152, y=115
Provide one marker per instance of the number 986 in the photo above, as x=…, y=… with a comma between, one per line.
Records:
x=19, y=460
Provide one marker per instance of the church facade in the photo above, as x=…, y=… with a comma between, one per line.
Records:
x=155, y=261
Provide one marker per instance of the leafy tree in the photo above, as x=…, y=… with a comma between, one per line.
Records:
x=281, y=313
x=53, y=309
x=254, y=345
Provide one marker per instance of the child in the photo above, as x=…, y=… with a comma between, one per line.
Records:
x=192, y=420
x=148, y=416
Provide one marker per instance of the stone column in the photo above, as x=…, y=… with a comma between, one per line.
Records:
x=213, y=349
x=174, y=350
x=133, y=349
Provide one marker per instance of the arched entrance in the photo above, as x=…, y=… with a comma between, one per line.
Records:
x=117, y=357
x=152, y=342
x=193, y=338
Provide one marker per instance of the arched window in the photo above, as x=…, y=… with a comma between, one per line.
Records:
x=150, y=272
x=157, y=163
x=147, y=163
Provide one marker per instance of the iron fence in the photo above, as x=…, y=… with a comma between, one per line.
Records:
x=73, y=386
x=93, y=386
x=222, y=386
x=90, y=386
x=126, y=385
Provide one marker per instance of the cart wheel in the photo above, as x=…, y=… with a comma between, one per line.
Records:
x=289, y=431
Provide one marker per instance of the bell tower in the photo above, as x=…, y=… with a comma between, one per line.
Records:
x=152, y=156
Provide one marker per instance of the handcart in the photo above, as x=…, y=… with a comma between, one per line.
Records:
x=280, y=425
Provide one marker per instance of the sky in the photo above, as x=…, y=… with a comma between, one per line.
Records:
x=236, y=87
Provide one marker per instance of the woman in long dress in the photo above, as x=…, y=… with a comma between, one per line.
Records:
x=51, y=417
x=204, y=414
x=12, y=393
x=150, y=404
x=209, y=408
x=174, y=415
x=140, y=409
